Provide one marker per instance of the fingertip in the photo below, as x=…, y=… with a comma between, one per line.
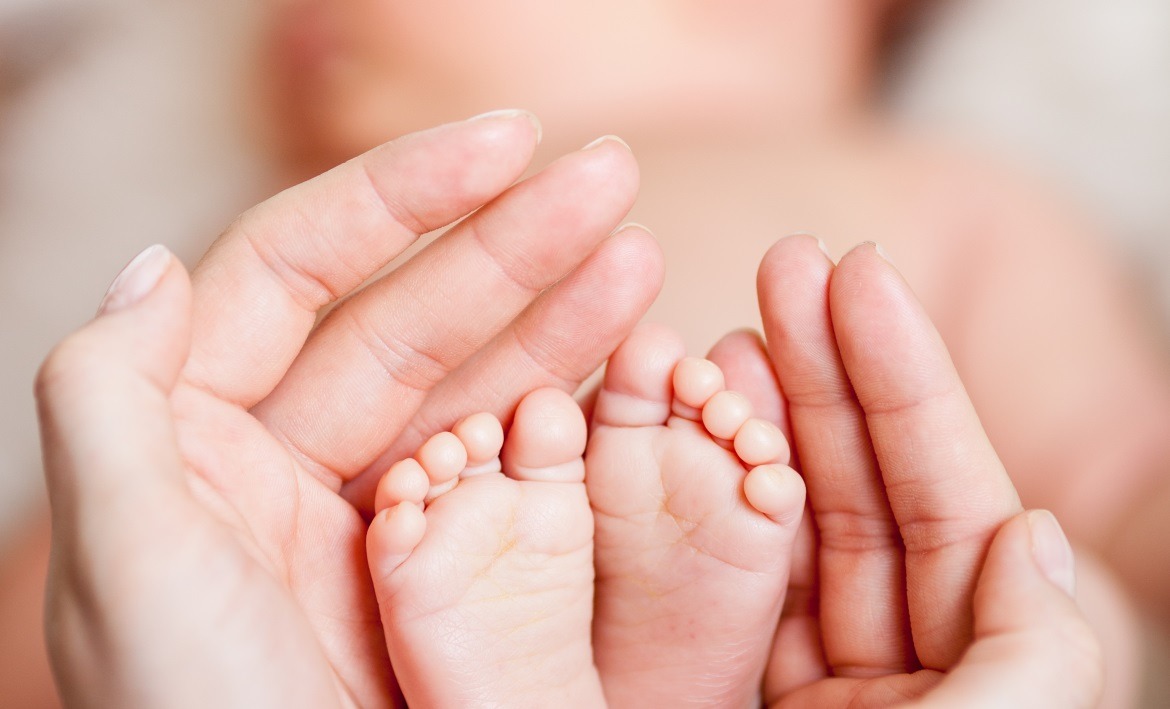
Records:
x=610, y=159
x=636, y=250
x=510, y=115
x=797, y=252
x=1052, y=551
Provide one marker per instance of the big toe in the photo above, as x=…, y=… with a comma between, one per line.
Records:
x=637, y=389
x=547, y=439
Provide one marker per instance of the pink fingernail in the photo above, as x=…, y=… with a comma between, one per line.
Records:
x=508, y=113
x=136, y=280
x=605, y=139
x=1051, y=550
x=882, y=252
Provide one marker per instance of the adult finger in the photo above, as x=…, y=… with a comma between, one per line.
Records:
x=111, y=459
x=103, y=397
x=798, y=653
x=947, y=488
x=369, y=366
x=863, y=616
x=561, y=339
x=1033, y=647
x=259, y=288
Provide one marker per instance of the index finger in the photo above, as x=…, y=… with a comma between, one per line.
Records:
x=259, y=288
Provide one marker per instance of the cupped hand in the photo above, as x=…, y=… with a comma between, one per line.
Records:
x=922, y=579
x=199, y=432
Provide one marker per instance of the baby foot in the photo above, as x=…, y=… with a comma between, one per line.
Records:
x=696, y=512
x=483, y=562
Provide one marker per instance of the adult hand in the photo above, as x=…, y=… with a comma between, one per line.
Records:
x=927, y=581
x=197, y=433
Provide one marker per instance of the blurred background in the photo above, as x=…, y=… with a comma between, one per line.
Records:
x=126, y=122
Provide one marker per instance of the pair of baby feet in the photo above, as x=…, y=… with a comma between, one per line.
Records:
x=644, y=564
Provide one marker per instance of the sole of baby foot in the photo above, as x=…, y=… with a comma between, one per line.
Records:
x=696, y=513
x=482, y=561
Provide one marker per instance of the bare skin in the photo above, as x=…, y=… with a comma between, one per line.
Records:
x=696, y=512
x=797, y=146
x=135, y=601
x=907, y=495
x=502, y=558
x=233, y=478
x=487, y=596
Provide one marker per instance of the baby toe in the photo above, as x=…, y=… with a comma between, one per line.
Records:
x=482, y=436
x=776, y=491
x=758, y=442
x=637, y=387
x=406, y=481
x=392, y=536
x=725, y=413
x=547, y=439
x=695, y=382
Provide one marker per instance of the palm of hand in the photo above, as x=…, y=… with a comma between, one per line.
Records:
x=290, y=557
x=223, y=539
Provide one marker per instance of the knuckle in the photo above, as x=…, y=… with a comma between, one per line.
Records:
x=71, y=363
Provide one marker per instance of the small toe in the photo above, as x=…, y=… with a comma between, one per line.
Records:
x=758, y=442
x=776, y=491
x=637, y=388
x=393, y=535
x=547, y=439
x=405, y=481
x=443, y=457
x=725, y=413
x=483, y=438
x=695, y=382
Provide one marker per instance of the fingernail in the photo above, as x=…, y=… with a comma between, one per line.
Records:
x=506, y=113
x=632, y=225
x=136, y=280
x=606, y=138
x=1051, y=550
x=881, y=252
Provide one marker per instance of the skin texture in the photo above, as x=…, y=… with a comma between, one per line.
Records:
x=687, y=570
x=905, y=504
x=492, y=604
x=172, y=430
x=779, y=149
x=135, y=609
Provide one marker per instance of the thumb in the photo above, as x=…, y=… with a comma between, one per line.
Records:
x=1033, y=647
x=103, y=393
